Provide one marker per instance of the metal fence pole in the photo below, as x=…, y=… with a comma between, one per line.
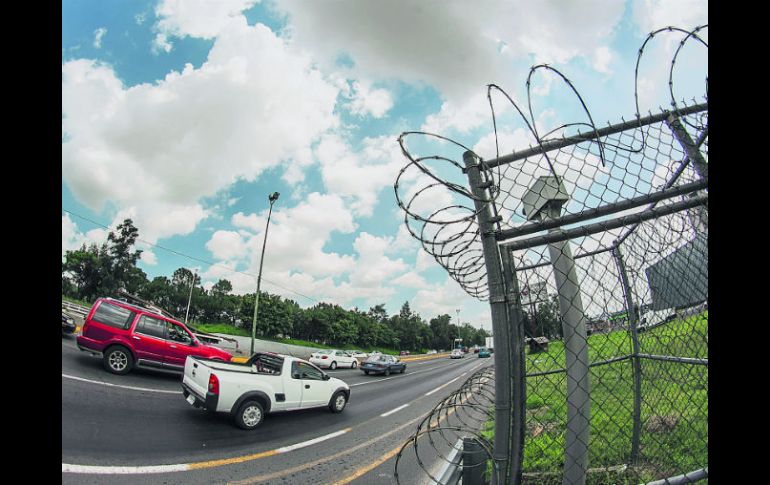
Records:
x=576, y=349
x=497, y=301
x=633, y=322
x=518, y=364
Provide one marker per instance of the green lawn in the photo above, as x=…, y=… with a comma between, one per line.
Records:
x=674, y=411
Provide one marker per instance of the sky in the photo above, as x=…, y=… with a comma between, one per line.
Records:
x=185, y=115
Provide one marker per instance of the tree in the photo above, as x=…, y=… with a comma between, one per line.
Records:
x=123, y=259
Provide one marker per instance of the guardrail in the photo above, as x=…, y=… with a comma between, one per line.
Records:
x=70, y=307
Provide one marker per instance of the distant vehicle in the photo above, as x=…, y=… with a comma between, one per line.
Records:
x=404, y=352
x=431, y=352
x=357, y=354
x=331, y=359
x=490, y=344
x=67, y=324
x=475, y=350
x=126, y=336
x=457, y=354
x=483, y=352
x=383, y=364
x=464, y=349
x=264, y=384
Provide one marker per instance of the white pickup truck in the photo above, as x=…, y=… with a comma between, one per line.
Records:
x=264, y=384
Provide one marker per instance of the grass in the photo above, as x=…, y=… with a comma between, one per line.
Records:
x=674, y=410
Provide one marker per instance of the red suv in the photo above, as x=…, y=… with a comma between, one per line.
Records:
x=126, y=335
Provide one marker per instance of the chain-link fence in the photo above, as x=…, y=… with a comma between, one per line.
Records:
x=592, y=252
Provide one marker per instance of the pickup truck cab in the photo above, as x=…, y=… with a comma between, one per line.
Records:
x=264, y=384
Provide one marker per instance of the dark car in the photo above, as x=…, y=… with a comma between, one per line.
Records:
x=382, y=364
x=404, y=352
x=67, y=324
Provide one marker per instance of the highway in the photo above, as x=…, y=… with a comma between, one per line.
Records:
x=138, y=429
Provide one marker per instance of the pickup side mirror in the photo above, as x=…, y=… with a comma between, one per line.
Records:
x=326, y=377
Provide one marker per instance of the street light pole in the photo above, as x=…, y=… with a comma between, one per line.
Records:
x=272, y=198
x=189, y=299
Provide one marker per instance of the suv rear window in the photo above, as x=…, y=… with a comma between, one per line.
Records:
x=113, y=315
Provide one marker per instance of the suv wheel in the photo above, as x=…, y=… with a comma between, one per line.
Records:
x=118, y=360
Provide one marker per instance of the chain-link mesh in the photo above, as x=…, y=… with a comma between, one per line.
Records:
x=607, y=235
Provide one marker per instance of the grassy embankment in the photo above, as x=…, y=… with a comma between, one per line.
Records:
x=674, y=411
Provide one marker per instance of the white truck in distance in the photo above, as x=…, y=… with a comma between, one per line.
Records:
x=490, y=344
x=264, y=384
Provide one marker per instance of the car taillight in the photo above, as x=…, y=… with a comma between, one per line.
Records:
x=213, y=384
x=324, y=357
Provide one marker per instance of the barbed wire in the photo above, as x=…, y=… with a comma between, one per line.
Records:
x=450, y=234
x=461, y=414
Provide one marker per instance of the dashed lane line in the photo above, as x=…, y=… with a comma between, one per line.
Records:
x=142, y=389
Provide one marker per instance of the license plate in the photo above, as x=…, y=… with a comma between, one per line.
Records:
x=191, y=399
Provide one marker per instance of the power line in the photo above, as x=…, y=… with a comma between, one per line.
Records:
x=210, y=263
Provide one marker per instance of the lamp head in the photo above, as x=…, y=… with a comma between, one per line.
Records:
x=273, y=197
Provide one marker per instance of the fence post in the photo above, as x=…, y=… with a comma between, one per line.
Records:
x=633, y=322
x=576, y=350
x=474, y=459
x=503, y=343
x=518, y=363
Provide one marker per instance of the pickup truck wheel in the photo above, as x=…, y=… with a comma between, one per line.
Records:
x=354, y=365
x=338, y=402
x=366, y=372
x=249, y=415
x=118, y=360
x=333, y=366
x=387, y=372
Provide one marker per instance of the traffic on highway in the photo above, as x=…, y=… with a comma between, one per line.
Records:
x=150, y=425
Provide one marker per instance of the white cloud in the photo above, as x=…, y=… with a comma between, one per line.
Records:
x=602, y=59
x=226, y=245
x=651, y=15
x=453, y=46
x=252, y=105
x=98, y=36
x=368, y=101
x=359, y=176
x=72, y=239
x=200, y=18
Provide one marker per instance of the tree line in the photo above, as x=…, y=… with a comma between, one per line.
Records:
x=94, y=271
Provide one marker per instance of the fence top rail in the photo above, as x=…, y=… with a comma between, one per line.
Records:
x=590, y=135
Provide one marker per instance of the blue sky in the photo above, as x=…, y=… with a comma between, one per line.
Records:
x=185, y=115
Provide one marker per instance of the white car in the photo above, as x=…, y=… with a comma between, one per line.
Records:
x=357, y=354
x=331, y=359
x=457, y=354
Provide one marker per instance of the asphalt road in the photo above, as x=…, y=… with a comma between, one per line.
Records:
x=116, y=428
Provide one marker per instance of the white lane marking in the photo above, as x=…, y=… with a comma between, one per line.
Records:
x=144, y=389
x=441, y=386
x=394, y=410
x=122, y=470
x=312, y=442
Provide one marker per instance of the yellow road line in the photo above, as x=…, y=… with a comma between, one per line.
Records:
x=230, y=461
